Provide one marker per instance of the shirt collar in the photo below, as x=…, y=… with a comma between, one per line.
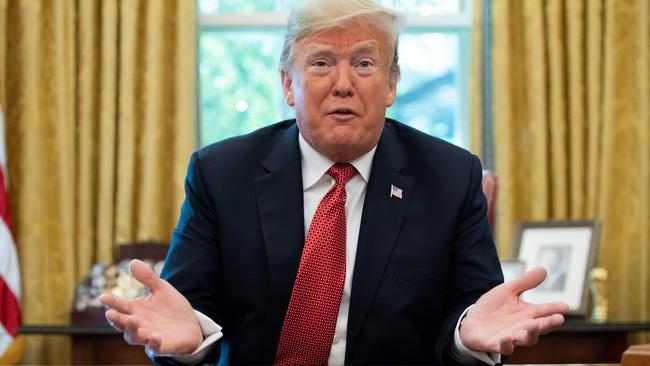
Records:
x=315, y=164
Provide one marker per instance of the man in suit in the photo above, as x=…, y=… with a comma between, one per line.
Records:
x=340, y=237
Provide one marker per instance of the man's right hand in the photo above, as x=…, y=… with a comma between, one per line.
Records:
x=163, y=322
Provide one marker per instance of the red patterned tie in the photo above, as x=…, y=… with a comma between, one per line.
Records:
x=308, y=329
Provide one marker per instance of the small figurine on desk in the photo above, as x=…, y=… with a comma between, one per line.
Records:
x=598, y=285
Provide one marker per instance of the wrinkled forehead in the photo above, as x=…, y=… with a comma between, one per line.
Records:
x=366, y=47
x=349, y=38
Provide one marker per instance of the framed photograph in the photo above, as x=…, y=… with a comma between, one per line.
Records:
x=568, y=250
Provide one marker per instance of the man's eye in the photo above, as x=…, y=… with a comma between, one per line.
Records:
x=319, y=63
x=364, y=64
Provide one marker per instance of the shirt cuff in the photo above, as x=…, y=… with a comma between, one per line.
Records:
x=463, y=354
x=211, y=334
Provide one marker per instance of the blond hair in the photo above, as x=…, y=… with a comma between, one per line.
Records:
x=318, y=15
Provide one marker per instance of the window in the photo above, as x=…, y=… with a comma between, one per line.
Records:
x=240, y=43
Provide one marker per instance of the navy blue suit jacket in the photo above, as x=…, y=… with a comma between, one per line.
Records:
x=421, y=260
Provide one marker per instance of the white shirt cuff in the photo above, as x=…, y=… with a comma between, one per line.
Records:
x=211, y=334
x=464, y=354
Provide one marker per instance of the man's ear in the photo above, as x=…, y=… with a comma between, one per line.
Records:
x=285, y=76
x=392, y=91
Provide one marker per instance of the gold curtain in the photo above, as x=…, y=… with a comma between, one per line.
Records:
x=100, y=104
x=571, y=92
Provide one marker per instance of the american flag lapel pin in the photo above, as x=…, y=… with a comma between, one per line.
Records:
x=395, y=192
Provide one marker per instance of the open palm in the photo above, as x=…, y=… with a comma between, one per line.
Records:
x=500, y=320
x=163, y=321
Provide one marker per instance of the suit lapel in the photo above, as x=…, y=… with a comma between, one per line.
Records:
x=380, y=225
x=280, y=204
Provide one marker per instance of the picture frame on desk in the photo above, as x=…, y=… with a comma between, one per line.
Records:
x=512, y=269
x=568, y=250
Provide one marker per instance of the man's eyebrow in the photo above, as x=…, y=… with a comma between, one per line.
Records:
x=319, y=50
x=365, y=47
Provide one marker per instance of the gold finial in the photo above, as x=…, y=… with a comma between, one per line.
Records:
x=598, y=285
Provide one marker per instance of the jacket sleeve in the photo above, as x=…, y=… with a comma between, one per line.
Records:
x=193, y=265
x=475, y=267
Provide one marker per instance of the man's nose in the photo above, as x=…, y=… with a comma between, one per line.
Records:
x=342, y=81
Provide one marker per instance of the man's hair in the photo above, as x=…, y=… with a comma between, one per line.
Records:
x=319, y=15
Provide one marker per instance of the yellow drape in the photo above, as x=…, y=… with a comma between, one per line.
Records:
x=100, y=112
x=571, y=91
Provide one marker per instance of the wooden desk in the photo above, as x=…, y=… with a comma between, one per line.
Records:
x=580, y=342
x=94, y=345
x=575, y=342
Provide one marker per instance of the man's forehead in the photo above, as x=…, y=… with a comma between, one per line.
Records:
x=364, y=46
x=349, y=36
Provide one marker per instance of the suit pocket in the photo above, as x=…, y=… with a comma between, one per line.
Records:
x=404, y=274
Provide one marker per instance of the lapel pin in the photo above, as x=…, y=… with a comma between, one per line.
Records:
x=395, y=192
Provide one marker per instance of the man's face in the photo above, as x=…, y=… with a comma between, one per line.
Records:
x=340, y=86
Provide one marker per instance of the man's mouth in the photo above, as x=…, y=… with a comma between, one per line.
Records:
x=342, y=112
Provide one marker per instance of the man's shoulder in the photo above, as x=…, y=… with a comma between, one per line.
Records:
x=424, y=146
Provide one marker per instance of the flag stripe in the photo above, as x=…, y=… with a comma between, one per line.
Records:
x=9, y=268
x=10, y=313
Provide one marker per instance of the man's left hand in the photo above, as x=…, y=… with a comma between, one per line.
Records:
x=500, y=320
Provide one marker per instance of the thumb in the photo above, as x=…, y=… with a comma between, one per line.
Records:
x=145, y=275
x=529, y=280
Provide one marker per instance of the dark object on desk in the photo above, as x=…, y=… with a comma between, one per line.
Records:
x=636, y=355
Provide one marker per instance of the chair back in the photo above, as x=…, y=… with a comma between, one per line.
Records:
x=490, y=185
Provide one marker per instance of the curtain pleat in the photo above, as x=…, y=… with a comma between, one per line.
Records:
x=99, y=111
x=572, y=128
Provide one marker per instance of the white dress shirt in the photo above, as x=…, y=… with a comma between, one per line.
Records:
x=316, y=183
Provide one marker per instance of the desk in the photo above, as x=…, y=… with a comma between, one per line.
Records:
x=580, y=342
x=93, y=345
x=575, y=342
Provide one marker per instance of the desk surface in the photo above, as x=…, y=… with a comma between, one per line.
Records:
x=47, y=329
x=571, y=326
x=575, y=341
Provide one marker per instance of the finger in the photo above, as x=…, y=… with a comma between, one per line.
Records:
x=521, y=330
x=526, y=337
x=115, y=320
x=506, y=347
x=550, y=323
x=138, y=334
x=548, y=309
x=529, y=280
x=143, y=273
x=153, y=347
x=500, y=342
x=113, y=302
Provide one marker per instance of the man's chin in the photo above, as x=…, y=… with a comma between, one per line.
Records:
x=344, y=150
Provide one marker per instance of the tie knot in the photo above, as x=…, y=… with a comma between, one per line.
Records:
x=342, y=172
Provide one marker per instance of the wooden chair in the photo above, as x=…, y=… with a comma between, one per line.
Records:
x=155, y=251
x=490, y=185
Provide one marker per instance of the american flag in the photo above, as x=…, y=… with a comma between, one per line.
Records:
x=395, y=192
x=10, y=344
